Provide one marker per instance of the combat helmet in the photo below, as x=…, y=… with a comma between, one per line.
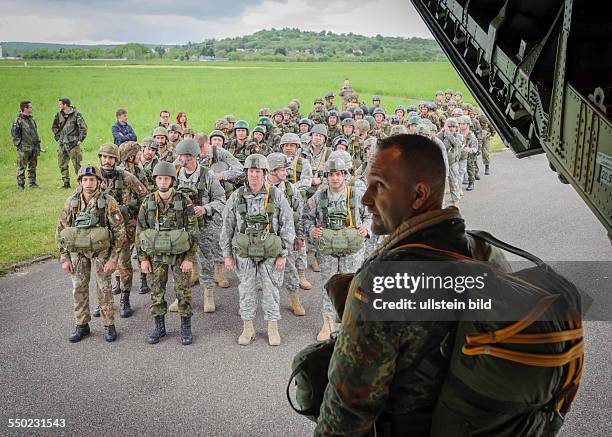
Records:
x=336, y=164
x=451, y=122
x=128, y=149
x=415, y=119
x=149, y=142
x=188, y=147
x=306, y=121
x=89, y=170
x=230, y=118
x=379, y=111
x=222, y=123
x=175, y=128
x=290, y=138
x=362, y=125
x=398, y=129
x=338, y=141
x=465, y=119
x=217, y=133
x=160, y=131
x=265, y=112
x=109, y=149
x=256, y=160
x=318, y=100
x=164, y=168
x=319, y=129
x=265, y=121
x=329, y=95
x=241, y=124
x=348, y=122
x=277, y=160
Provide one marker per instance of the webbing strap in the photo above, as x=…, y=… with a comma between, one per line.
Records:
x=295, y=164
x=538, y=360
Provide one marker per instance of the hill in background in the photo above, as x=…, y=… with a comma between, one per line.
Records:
x=264, y=45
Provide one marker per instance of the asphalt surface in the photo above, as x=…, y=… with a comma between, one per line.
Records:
x=216, y=387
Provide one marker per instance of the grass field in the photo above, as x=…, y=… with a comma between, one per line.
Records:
x=204, y=91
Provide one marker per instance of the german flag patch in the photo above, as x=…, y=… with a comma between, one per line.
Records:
x=361, y=296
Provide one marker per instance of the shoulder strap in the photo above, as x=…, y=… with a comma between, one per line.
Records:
x=215, y=154
x=507, y=247
x=101, y=204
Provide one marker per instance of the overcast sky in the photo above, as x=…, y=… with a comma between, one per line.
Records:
x=167, y=22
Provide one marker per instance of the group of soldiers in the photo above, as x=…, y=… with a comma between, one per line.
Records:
x=256, y=201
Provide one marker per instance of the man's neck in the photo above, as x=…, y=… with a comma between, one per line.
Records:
x=191, y=168
x=256, y=189
x=316, y=149
x=66, y=110
x=165, y=196
x=88, y=196
x=336, y=190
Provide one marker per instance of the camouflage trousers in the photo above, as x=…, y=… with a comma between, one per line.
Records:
x=291, y=279
x=83, y=266
x=157, y=282
x=27, y=159
x=124, y=261
x=454, y=181
x=255, y=275
x=371, y=244
x=472, y=167
x=330, y=265
x=486, y=156
x=209, y=252
x=63, y=160
x=301, y=256
x=463, y=165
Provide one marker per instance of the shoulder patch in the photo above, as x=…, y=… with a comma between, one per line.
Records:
x=361, y=296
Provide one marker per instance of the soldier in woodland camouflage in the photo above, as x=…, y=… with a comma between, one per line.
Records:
x=25, y=138
x=70, y=130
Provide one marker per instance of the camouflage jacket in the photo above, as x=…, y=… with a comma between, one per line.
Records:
x=168, y=157
x=25, y=133
x=452, y=144
x=318, y=117
x=150, y=165
x=203, y=189
x=127, y=190
x=69, y=128
x=372, y=367
x=112, y=219
x=239, y=151
x=381, y=132
x=143, y=175
x=282, y=218
x=333, y=133
x=296, y=202
x=262, y=148
x=167, y=217
x=220, y=160
x=317, y=162
x=470, y=141
x=299, y=172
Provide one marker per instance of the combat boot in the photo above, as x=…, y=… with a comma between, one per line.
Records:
x=21, y=185
x=329, y=326
x=110, y=333
x=273, y=335
x=96, y=311
x=186, y=336
x=248, y=333
x=173, y=308
x=487, y=170
x=219, y=277
x=160, y=330
x=33, y=184
x=66, y=185
x=209, y=300
x=295, y=304
x=477, y=177
x=470, y=186
x=79, y=332
x=116, y=285
x=314, y=264
x=125, y=309
x=304, y=284
x=144, y=287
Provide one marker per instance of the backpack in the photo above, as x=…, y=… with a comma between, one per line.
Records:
x=508, y=379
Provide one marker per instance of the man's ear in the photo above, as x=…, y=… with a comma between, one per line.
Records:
x=422, y=192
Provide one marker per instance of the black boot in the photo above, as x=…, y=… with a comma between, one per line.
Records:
x=66, y=184
x=470, y=186
x=477, y=177
x=21, y=185
x=186, y=337
x=110, y=334
x=79, y=332
x=487, y=171
x=125, y=310
x=116, y=285
x=160, y=330
x=96, y=311
x=33, y=184
x=144, y=287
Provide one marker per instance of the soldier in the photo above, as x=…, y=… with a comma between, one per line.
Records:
x=279, y=166
x=268, y=138
x=27, y=142
x=334, y=129
x=381, y=129
x=336, y=212
x=353, y=102
x=121, y=130
x=257, y=230
x=166, y=236
x=345, y=92
x=258, y=143
x=488, y=132
x=223, y=125
x=470, y=150
x=318, y=114
x=90, y=235
x=231, y=121
x=208, y=199
x=436, y=117
x=304, y=126
x=329, y=102
x=294, y=107
x=450, y=108
x=376, y=104
x=400, y=113
x=448, y=96
x=458, y=98
x=413, y=122
x=129, y=193
x=188, y=133
x=358, y=114
x=164, y=119
x=238, y=146
x=175, y=132
x=452, y=143
x=439, y=98
x=427, y=129
x=160, y=136
x=316, y=154
x=148, y=159
x=70, y=130
x=476, y=129
x=299, y=173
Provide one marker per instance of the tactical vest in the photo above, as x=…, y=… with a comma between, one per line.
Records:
x=309, y=192
x=89, y=231
x=340, y=236
x=297, y=169
x=289, y=193
x=115, y=189
x=166, y=238
x=241, y=154
x=254, y=239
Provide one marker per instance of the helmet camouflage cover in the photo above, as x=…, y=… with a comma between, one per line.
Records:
x=109, y=150
x=164, y=168
x=188, y=147
x=256, y=161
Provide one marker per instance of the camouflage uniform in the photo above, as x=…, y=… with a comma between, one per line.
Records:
x=69, y=130
x=27, y=142
x=107, y=210
x=220, y=160
x=470, y=141
x=453, y=146
x=333, y=132
x=318, y=116
x=168, y=155
x=239, y=151
x=168, y=217
x=488, y=132
x=346, y=93
x=253, y=274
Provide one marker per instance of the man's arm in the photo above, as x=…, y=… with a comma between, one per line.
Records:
x=16, y=132
x=131, y=135
x=216, y=195
x=117, y=226
x=117, y=134
x=55, y=127
x=64, y=222
x=305, y=177
x=82, y=127
x=235, y=169
x=229, y=225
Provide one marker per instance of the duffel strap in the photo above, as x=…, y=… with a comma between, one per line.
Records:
x=541, y=338
x=529, y=359
x=314, y=409
x=507, y=247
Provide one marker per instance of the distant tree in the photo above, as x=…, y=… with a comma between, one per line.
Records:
x=280, y=51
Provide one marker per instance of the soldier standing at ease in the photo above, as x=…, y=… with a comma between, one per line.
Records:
x=27, y=142
x=70, y=130
x=164, y=153
x=336, y=212
x=148, y=159
x=470, y=148
x=238, y=146
x=90, y=235
x=208, y=198
x=166, y=237
x=129, y=193
x=257, y=232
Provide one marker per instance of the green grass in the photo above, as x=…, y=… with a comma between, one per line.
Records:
x=204, y=91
